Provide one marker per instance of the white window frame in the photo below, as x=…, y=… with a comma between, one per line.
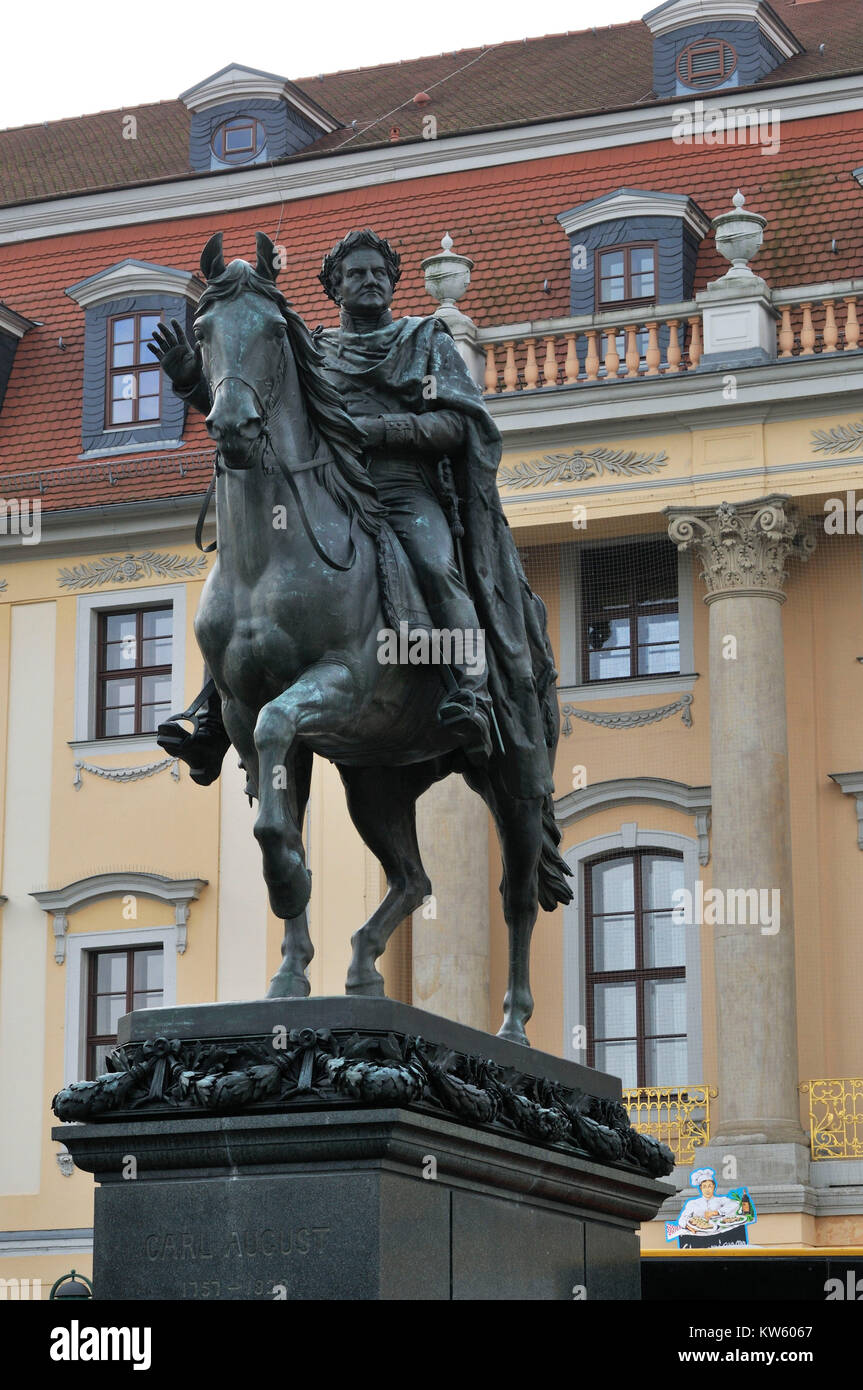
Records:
x=78, y=947
x=630, y=836
x=90, y=606
x=572, y=684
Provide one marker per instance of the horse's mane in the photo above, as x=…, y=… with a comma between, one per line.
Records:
x=345, y=478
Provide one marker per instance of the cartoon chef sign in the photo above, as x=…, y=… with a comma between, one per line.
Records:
x=710, y=1219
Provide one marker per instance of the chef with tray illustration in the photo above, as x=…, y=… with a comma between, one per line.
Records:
x=711, y=1219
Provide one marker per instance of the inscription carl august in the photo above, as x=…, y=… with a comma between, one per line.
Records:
x=184, y=1245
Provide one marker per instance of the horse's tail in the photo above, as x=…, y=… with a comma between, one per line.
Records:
x=553, y=870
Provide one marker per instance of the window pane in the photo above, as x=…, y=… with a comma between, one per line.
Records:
x=614, y=943
x=124, y=330
x=619, y=1059
x=152, y=716
x=666, y=1062
x=119, y=656
x=155, y=690
x=110, y=971
x=613, y=886
x=119, y=625
x=119, y=721
x=642, y=273
x=109, y=1010
x=157, y=652
x=238, y=138
x=148, y=408
x=609, y=666
x=121, y=412
x=147, y=327
x=664, y=940
x=148, y=383
x=148, y=969
x=151, y=1000
x=615, y=1011
x=119, y=692
x=157, y=622
x=661, y=877
x=123, y=387
x=664, y=1006
x=122, y=355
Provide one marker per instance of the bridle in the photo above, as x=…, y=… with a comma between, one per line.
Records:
x=265, y=409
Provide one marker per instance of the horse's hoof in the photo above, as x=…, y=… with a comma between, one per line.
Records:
x=514, y=1033
x=288, y=986
x=373, y=988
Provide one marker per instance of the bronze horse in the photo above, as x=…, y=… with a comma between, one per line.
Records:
x=288, y=624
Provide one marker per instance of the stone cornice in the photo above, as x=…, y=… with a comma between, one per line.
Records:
x=235, y=83
x=131, y=277
x=628, y=791
x=314, y=175
x=743, y=547
x=635, y=202
x=60, y=902
x=13, y=323
x=680, y=14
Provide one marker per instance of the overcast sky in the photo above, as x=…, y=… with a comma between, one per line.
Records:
x=78, y=56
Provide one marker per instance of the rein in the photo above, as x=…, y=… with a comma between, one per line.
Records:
x=286, y=470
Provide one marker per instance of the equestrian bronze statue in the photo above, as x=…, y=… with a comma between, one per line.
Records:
x=357, y=519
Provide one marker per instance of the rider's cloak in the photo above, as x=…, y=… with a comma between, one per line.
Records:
x=410, y=360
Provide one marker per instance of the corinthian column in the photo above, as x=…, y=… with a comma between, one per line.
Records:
x=743, y=551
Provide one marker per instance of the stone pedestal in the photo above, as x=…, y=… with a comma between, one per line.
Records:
x=486, y=1181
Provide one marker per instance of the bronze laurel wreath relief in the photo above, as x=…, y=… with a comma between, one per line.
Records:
x=317, y=1068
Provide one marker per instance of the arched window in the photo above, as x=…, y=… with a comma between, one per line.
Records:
x=635, y=967
x=706, y=63
x=239, y=140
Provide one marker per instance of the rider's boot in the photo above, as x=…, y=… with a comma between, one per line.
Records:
x=469, y=715
x=204, y=749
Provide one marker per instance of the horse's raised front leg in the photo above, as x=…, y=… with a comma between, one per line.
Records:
x=319, y=701
x=382, y=806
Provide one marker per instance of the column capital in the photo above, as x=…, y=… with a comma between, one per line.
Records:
x=743, y=546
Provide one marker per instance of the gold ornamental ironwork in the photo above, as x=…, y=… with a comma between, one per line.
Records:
x=678, y=1116
x=835, y=1116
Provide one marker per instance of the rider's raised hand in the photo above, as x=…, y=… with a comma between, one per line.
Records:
x=177, y=358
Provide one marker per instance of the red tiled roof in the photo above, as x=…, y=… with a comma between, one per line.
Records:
x=507, y=84
x=504, y=217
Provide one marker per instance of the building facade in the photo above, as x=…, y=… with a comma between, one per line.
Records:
x=662, y=310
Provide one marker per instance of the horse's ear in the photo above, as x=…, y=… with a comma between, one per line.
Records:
x=269, y=259
x=212, y=260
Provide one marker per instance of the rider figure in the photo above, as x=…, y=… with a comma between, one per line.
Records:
x=405, y=440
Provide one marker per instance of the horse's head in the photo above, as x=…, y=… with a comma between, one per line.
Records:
x=240, y=328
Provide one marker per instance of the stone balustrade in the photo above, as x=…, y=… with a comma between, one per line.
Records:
x=819, y=318
x=589, y=349
x=662, y=341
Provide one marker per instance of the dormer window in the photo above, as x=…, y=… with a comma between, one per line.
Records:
x=706, y=64
x=239, y=141
x=133, y=376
